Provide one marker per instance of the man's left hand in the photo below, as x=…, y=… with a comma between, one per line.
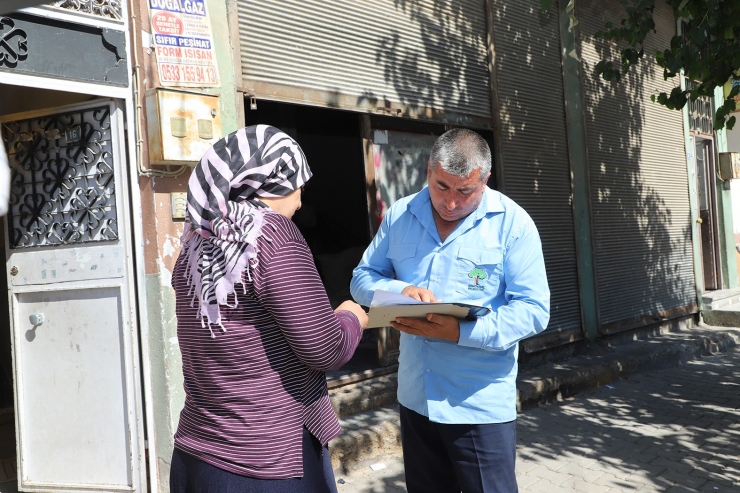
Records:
x=435, y=326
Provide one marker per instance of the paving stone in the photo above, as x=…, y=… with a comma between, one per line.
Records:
x=585, y=486
x=525, y=481
x=681, y=489
x=552, y=476
x=683, y=479
x=714, y=487
x=673, y=465
x=674, y=430
x=545, y=486
x=581, y=472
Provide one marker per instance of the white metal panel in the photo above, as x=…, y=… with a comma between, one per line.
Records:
x=78, y=408
x=427, y=59
x=69, y=264
x=74, y=417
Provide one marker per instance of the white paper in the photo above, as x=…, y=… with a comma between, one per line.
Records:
x=386, y=298
x=387, y=307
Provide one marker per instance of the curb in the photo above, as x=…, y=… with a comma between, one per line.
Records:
x=364, y=396
x=372, y=432
x=724, y=317
x=366, y=435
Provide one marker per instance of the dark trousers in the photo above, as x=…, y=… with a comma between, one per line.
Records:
x=448, y=458
x=191, y=475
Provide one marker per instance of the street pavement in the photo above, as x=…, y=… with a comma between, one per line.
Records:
x=672, y=430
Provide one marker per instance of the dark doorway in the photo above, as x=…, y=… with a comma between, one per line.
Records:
x=334, y=213
x=707, y=213
x=333, y=217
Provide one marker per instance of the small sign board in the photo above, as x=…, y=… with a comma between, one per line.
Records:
x=733, y=82
x=183, y=43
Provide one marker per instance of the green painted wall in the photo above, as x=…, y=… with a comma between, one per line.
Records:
x=229, y=104
x=691, y=168
x=166, y=370
x=724, y=211
x=578, y=157
x=165, y=359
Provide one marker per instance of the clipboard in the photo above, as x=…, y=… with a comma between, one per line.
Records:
x=386, y=307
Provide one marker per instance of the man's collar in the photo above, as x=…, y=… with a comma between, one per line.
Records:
x=490, y=203
x=417, y=203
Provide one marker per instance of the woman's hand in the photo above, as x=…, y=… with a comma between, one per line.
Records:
x=353, y=307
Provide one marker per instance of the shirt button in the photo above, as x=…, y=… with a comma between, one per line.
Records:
x=426, y=341
x=428, y=370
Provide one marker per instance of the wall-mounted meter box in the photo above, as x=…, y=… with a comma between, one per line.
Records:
x=729, y=165
x=182, y=126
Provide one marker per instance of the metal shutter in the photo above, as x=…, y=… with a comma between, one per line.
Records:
x=426, y=59
x=639, y=182
x=534, y=149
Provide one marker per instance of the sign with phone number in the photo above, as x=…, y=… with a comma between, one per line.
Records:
x=183, y=42
x=188, y=74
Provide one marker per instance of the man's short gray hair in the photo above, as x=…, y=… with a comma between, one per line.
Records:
x=461, y=151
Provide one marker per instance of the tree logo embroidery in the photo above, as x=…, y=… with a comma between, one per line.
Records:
x=476, y=275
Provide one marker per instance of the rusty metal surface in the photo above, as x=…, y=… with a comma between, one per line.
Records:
x=335, y=99
x=550, y=339
x=176, y=126
x=424, y=59
x=639, y=321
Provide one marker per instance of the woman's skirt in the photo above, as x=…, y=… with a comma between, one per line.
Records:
x=191, y=475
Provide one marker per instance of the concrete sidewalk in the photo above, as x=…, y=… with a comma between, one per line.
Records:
x=667, y=421
x=671, y=430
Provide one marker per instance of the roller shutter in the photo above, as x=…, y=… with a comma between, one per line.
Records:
x=534, y=150
x=419, y=59
x=639, y=182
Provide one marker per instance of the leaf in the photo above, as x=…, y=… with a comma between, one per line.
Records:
x=730, y=123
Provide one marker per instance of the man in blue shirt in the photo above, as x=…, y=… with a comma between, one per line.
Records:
x=458, y=240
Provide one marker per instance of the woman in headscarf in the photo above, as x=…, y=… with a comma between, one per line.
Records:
x=255, y=327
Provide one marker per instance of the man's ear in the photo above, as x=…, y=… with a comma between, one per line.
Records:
x=429, y=168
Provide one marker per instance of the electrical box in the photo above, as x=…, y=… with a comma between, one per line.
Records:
x=729, y=165
x=179, y=205
x=182, y=126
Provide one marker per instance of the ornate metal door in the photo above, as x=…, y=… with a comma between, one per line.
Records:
x=69, y=268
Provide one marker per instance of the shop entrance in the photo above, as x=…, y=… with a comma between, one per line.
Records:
x=341, y=210
x=707, y=213
x=69, y=347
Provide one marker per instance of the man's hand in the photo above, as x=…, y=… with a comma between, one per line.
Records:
x=436, y=326
x=420, y=294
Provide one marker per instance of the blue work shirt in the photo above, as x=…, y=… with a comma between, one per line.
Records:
x=492, y=258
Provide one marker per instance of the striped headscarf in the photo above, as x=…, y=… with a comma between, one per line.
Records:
x=225, y=215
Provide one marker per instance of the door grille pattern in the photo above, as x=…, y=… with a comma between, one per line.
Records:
x=62, y=179
x=109, y=9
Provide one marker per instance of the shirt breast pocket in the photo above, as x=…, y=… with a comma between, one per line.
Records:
x=402, y=255
x=479, y=272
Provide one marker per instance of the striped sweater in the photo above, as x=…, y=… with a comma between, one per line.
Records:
x=252, y=389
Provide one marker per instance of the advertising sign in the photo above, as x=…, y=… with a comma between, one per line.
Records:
x=733, y=82
x=183, y=42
